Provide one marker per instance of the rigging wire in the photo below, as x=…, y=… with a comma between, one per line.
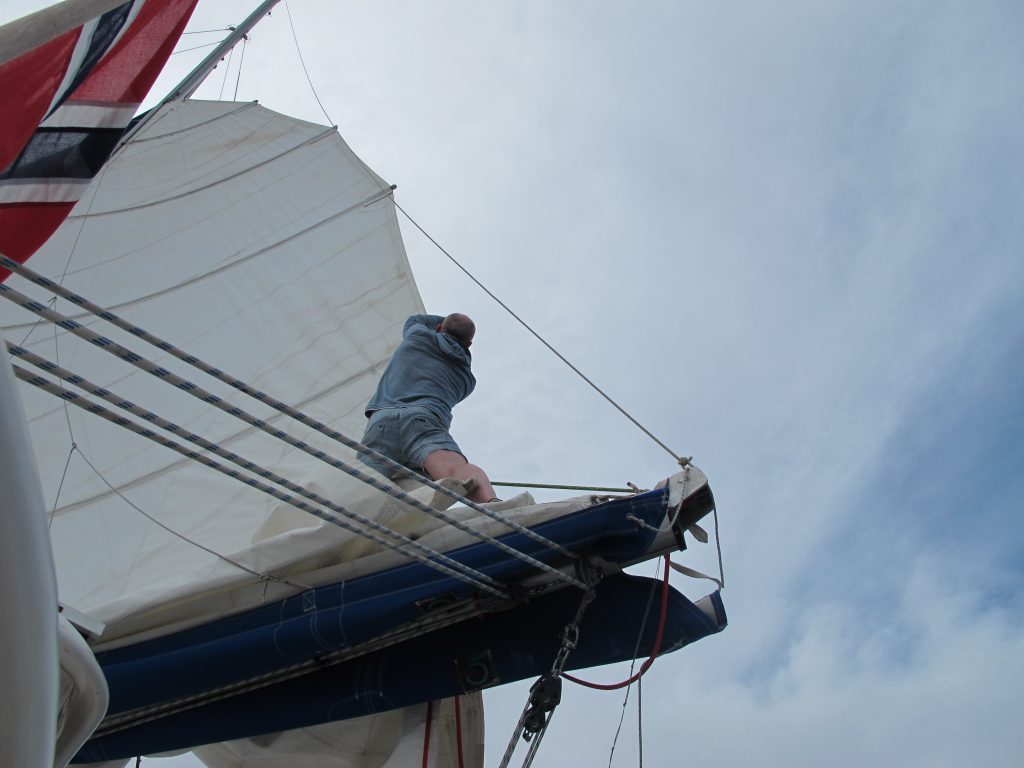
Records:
x=207, y=31
x=227, y=71
x=682, y=461
x=241, y=60
x=60, y=485
x=632, y=665
x=198, y=47
x=302, y=61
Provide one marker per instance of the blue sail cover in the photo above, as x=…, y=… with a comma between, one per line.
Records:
x=509, y=645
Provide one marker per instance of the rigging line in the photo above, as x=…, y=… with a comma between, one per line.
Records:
x=60, y=485
x=173, y=532
x=150, y=417
x=302, y=61
x=209, y=398
x=241, y=60
x=85, y=404
x=683, y=461
x=632, y=665
x=563, y=487
x=198, y=47
x=263, y=397
x=227, y=70
x=207, y=31
x=640, y=721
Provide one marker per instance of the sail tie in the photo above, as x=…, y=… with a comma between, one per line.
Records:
x=268, y=400
x=681, y=460
x=198, y=392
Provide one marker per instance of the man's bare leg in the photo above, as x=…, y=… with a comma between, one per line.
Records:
x=441, y=464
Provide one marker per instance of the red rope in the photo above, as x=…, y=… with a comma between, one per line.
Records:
x=458, y=730
x=426, y=734
x=654, y=651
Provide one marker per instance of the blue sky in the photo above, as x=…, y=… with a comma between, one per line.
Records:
x=789, y=239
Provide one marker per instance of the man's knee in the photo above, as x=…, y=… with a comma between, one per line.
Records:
x=444, y=464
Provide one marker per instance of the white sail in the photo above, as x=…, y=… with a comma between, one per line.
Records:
x=258, y=242
x=262, y=245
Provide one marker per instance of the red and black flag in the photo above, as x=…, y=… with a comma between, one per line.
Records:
x=67, y=101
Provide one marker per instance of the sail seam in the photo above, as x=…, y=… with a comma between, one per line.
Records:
x=218, y=182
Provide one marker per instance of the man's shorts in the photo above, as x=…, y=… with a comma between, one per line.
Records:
x=406, y=435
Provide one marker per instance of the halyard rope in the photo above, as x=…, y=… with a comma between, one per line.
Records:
x=198, y=392
x=138, y=429
x=262, y=397
x=174, y=429
x=682, y=460
x=302, y=61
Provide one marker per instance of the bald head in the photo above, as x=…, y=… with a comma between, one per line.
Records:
x=460, y=328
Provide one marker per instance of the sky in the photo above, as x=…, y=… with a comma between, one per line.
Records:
x=788, y=239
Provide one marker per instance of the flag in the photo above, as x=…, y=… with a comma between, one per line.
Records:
x=66, y=104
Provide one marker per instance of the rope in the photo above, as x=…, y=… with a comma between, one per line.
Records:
x=262, y=397
x=174, y=429
x=654, y=651
x=110, y=416
x=426, y=735
x=198, y=47
x=636, y=650
x=564, y=487
x=682, y=461
x=209, y=398
x=302, y=61
x=458, y=731
x=241, y=60
x=227, y=70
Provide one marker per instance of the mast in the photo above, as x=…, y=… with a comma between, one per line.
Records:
x=196, y=77
x=189, y=85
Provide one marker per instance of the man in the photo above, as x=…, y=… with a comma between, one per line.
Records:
x=411, y=412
